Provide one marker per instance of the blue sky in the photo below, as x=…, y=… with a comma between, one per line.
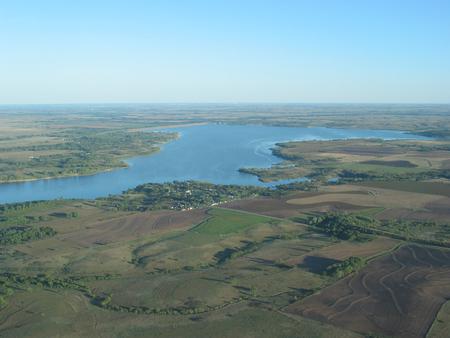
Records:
x=67, y=51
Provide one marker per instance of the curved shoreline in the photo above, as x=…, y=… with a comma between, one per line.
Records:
x=123, y=160
x=210, y=153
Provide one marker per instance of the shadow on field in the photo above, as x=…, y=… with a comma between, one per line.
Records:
x=317, y=264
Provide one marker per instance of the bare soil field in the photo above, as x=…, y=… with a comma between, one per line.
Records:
x=396, y=295
x=266, y=206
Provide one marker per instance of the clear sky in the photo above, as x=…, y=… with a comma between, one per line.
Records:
x=75, y=51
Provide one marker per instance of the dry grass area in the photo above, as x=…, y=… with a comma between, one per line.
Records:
x=133, y=227
x=400, y=154
x=343, y=250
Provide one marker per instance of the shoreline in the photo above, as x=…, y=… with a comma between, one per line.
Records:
x=123, y=160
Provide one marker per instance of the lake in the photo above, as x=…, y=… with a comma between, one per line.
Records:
x=212, y=153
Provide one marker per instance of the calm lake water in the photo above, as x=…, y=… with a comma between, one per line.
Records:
x=212, y=153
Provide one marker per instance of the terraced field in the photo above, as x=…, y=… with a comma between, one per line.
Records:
x=396, y=295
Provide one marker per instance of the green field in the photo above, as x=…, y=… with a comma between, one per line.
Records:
x=225, y=222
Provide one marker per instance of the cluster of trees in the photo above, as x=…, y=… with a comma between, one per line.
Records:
x=26, y=205
x=14, y=214
x=342, y=226
x=357, y=227
x=352, y=175
x=346, y=267
x=6, y=290
x=177, y=196
x=16, y=235
x=294, y=186
x=62, y=214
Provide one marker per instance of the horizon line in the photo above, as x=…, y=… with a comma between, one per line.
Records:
x=226, y=103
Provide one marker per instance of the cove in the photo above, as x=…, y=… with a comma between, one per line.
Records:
x=212, y=153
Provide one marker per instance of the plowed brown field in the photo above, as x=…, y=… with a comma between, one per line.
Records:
x=396, y=295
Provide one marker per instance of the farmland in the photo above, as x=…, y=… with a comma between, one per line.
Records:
x=365, y=255
x=172, y=272
x=384, y=297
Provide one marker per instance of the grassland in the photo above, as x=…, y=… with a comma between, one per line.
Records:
x=140, y=262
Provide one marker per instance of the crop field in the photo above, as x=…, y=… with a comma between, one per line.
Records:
x=434, y=188
x=382, y=202
x=396, y=295
x=366, y=197
x=274, y=207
